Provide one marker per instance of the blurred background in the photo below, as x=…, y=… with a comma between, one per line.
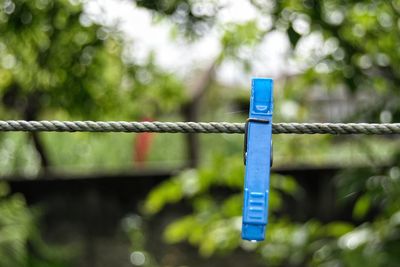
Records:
x=96, y=199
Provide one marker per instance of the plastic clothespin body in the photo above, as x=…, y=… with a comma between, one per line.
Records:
x=258, y=160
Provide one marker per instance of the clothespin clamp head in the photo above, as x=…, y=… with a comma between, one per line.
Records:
x=258, y=160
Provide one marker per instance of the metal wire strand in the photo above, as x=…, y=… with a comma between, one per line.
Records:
x=195, y=127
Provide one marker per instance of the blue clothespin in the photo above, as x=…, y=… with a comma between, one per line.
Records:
x=258, y=160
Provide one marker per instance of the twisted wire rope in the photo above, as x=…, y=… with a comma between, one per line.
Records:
x=196, y=127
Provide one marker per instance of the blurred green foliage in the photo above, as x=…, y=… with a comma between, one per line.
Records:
x=50, y=60
x=359, y=49
x=56, y=65
x=215, y=223
x=54, y=62
x=20, y=241
x=16, y=224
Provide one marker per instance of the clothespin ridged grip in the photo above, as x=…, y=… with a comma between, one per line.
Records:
x=258, y=160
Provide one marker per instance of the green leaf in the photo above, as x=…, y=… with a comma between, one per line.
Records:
x=179, y=230
x=337, y=229
x=362, y=207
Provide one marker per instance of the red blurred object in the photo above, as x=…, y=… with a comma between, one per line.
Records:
x=142, y=146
